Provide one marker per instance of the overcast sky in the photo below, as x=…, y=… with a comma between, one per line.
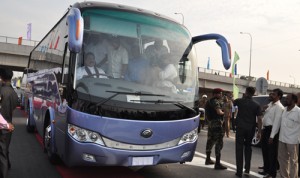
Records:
x=273, y=24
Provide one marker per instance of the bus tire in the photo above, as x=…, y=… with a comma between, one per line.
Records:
x=29, y=127
x=53, y=158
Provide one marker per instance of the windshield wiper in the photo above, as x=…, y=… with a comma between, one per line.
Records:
x=125, y=93
x=176, y=103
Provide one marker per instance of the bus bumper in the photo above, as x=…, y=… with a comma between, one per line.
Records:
x=89, y=154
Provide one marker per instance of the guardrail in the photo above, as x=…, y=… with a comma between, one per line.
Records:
x=245, y=77
x=12, y=40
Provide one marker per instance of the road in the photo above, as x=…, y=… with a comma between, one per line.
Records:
x=29, y=160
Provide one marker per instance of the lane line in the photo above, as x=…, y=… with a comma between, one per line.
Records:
x=231, y=166
x=201, y=162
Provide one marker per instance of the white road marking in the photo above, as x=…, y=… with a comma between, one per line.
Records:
x=200, y=161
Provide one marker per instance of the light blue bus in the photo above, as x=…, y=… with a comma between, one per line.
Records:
x=130, y=112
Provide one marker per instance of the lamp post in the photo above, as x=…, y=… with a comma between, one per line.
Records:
x=181, y=16
x=294, y=80
x=250, y=51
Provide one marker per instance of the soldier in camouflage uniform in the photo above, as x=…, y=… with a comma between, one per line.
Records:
x=215, y=134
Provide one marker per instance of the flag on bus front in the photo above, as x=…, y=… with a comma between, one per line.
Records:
x=29, y=31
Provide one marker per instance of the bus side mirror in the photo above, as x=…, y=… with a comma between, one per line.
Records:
x=75, y=30
x=222, y=42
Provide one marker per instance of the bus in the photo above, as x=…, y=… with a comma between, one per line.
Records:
x=137, y=117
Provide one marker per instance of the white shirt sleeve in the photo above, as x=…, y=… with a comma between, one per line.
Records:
x=79, y=73
x=277, y=120
x=124, y=56
x=168, y=73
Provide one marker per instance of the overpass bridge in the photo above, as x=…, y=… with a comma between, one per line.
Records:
x=209, y=79
x=16, y=56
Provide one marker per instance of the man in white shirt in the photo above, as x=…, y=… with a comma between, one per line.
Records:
x=288, y=147
x=166, y=72
x=117, y=59
x=269, y=139
x=89, y=68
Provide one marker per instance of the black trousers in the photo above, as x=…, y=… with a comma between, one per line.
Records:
x=269, y=151
x=4, y=153
x=243, y=139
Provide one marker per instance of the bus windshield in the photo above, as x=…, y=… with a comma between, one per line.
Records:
x=136, y=54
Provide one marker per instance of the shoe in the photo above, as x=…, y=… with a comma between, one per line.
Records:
x=9, y=166
x=209, y=162
x=260, y=167
x=220, y=167
x=238, y=175
x=246, y=173
x=263, y=173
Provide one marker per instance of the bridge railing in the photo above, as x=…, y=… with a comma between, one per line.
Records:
x=12, y=40
x=244, y=77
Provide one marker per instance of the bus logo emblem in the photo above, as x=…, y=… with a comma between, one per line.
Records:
x=146, y=133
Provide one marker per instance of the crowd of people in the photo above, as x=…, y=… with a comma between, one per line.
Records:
x=278, y=129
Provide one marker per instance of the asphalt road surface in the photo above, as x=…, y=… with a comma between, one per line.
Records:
x=29, y=161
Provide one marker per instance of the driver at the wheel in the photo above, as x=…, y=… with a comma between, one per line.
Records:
x=89, y=69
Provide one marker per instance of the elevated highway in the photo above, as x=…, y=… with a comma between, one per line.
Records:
x=209, y=79
x=16, y=56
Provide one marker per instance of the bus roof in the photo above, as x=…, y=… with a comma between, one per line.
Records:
x=105, y=5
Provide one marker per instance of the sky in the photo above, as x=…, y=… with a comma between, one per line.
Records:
x=273, y=24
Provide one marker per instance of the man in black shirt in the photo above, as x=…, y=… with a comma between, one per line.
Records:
x=248, y=111
x=215, y=134
x=8, y=103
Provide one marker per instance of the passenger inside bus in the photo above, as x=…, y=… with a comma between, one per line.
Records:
x=156, y=50
x=117, y=58
x=166, y=73
x=89, y=69
x=97, y=44
x=138, y=67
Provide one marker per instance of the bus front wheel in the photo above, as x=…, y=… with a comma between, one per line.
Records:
x=48, y=145
x=29, y=127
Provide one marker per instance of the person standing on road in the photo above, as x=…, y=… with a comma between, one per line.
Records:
x=215, y=134
x=269, y=139
x=202, y=103
x=233, y=117
x=288, y=145
x=8, y=103
x=227, y=108
x=247, y=113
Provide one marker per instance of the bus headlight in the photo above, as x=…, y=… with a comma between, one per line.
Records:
x=83, y=135
x=189, y=137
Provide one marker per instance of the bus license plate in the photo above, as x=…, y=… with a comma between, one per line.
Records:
x=142, y=161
